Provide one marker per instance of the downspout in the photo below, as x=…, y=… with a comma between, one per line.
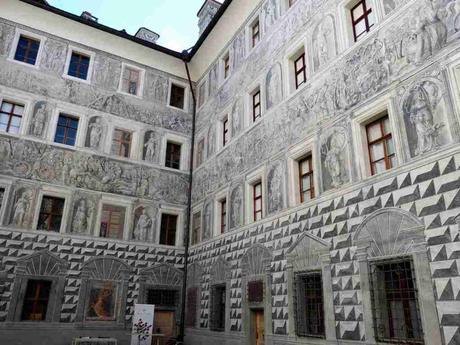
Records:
x=180, y=337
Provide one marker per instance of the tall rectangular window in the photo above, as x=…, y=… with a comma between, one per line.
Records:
x=36, y=299
x=196, y=228
x=66, y=130
x=27, y=50
x=121, y=143
x=112, y=221
x=50, y=216
x=255, y=31
x=256, y=106
x=300, y=70
x=223, y=216
x=362, y=19
x=79, y=65
x=226, y=66
x=292, y=2
x=225, y=131
x=177, y=97
x=131, y=81
x=192, y=306
x=218, y=295
x=168, y=229
x=380, y=143
x=306, y=182
x=255, y=291
x=173, y=155
x=200, y=153
x=257, y=201
x=11, y=117
x=395, y=302
x=309, y=305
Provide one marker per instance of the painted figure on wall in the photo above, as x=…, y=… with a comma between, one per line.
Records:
x=236, y=203
x=96, y=130
x=275, y=188
x=39, y=120
x=323, y=43
x=21, y=207
x=271, y=14
x=274, y=86
x=207, y=222
x=143, y=226
x=149, y=145
x=332, y=152
x=81, y=219
x=102, y=301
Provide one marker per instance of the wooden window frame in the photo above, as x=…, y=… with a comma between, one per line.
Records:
x=383, y=139
x=120, y=142
x=256, y=197
x=173, y=157
x=79, y=65
x=165, y=229
x=256, y=105
x=173, y=98
x=364, y=16
x=12, y=114
x=28, y=50
x=301, y=72
x=111, y=211
x=309, y=174
x=255, y=33
x=67, y=128
x=52, y=214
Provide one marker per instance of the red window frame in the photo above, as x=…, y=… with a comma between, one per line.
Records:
x=306, y=174
x=110, y=213
x=257, y=196
x=223, y=216
x=384, y=139
x=11, y=114
x=364, y=16
x=256, y=106
x=48, y=217
x=225, y=131
x=300, y=72
x=122, y=144
x=255, y=33
x=168, y=229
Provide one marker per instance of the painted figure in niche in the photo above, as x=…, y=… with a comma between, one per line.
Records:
x=96, y=130
x=236, y=118
x=420, y=106
x=270, y=13
x=236, y=207
x=213, y=79
x=20, y=208
x=81, y=218
x=143, y=225
x=274, y=88
x=211, y=140
x=207, y=222
x=38, y=124
x=332, y=150
x=159, y=88
x=323, y=43
x=150, y=148
x=275, y=181
x=101, y=304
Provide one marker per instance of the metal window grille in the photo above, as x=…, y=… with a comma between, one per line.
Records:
x=162, y=298
x=217, y=317
x=309, y=305
x=395, y=303
x=192, y=305
x=255, y=291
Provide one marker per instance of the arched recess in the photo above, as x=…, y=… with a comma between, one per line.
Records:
x=392, y=234
x=162, y=279
x=193, y=295
x=39, y=266
x=309, y=255
x=256, y=287
x=220, y=276
x=104, y=281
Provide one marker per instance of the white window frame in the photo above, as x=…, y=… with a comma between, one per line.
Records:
x=14, y=47
x=186, y=94
x=220, y=196
x=79, y=141
x=27, y=102
x=90, y=54
x=55, y=192
x=140, y=89
x=363, y=117
x=251, y=179
x=220, y=129
x=177, y=211
x=222, y=67
x=184, y=152
x=117, y=202
x=305, y=148
x=252, y=21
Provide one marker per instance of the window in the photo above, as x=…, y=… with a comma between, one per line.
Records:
x=255, y=33
x=177, y=97
x=36, y=300
x=79, y=65
x=196, y=228
x=163, y=298
x=121, y=143
x=50, y=216
x=27, y=50
x=300, y=70
x=202, y=94
x=306, y=183
x=226, y=66
x=225, y=131
x=200, y=153
x=257, y=201
x=223, y=216
x=395, y=302
x=131, y=81
x=292, y=2
x=168, y=229
x=255, y=291
x=380, y=143
x=112, y=221
x=11, y=117
x=256, y=107
x=173, y=153
x=192, y=306
x=218, y=294
x=362, y=19
x=310, y=310
x=66, y=130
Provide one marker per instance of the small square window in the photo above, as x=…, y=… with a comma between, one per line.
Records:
x=173, y=155
x=256, y=106
x=27, y=50
x=382, y=155
x=168, y=229
x=131, y=81
x=66, y=130
x=112, y=221
x=11, y=117
x=79, y=65
x=50, y=216
x=36, y=299
x=362, y=19
x=121, y=143
x=177, y=98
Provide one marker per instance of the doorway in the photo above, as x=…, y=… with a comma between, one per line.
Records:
x=164, y=323
x=257, y=327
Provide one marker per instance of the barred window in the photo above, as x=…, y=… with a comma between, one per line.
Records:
x=309, y=305
x=36, y=300
x=192, y=306
x=218, y=297
x=255, y=291
x=395, y=302
x=162, y=298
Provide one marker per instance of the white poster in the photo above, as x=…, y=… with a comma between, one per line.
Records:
x=142, y=324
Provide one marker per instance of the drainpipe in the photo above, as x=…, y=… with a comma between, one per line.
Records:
x=180, y=337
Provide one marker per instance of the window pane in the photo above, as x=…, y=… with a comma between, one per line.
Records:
x=360, y=27
x=371, y=18
x=379, y=166
x=18, y=110
x=7, y=107
x=358, y=11
x=377, y=151
x=373, y=131
x=390, y=147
